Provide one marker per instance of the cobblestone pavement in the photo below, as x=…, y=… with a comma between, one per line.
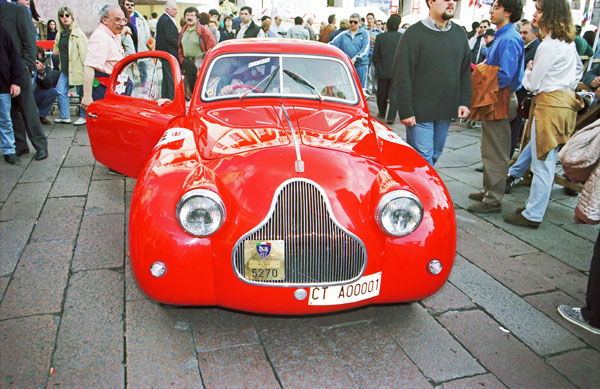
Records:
x=71, y=313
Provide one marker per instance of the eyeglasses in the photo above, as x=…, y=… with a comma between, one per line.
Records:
x=65, y=15
x=353, y=21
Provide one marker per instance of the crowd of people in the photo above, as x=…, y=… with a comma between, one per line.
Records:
x=427, y=74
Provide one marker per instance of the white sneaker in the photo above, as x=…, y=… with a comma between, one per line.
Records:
x=79, y=122
x=62, y=120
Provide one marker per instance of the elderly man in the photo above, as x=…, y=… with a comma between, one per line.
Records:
x=277, y=27
x=433, y=79
x=104, y=51
x=167, y=35
x=355, y=43
x=247, y=27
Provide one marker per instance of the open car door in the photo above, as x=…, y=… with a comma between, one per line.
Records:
x=125, y=126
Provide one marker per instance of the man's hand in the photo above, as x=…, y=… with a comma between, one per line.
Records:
x=15, y=90
x=463, y=112
x=86, y=101
x=40, y=66
x=595, y=83
x=411, y=121
x=126, y=30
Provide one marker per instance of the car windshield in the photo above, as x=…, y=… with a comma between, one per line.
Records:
x=241, y=76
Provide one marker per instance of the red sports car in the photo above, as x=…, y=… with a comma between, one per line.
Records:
x=274, y=190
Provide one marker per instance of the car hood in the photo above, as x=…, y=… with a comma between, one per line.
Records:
x=234, y=130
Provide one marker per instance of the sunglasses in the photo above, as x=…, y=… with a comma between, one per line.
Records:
x=129, y=4
x=353, y=21
x=65, y=16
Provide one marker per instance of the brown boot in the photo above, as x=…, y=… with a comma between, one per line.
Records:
x=520, y=220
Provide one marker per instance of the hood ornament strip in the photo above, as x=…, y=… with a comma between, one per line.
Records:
x=299, y=164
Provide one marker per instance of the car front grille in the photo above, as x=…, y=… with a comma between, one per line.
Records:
x=318, y=251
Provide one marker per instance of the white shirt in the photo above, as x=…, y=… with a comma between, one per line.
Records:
x=556, y=66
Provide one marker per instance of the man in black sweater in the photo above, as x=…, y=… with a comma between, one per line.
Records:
x=433, y=78
x=11, y=77
x=45, y=92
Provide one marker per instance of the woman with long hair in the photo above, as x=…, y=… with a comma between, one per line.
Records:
x=227, y=31
x=552, y=77
x=71, y=47
x=51, y=30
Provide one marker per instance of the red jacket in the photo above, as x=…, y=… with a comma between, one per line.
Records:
x=207, y=42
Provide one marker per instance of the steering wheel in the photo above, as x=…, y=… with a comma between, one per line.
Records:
x=251, y=87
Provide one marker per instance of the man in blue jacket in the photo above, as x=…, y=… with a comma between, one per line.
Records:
x=508, y=53
x=355, y=43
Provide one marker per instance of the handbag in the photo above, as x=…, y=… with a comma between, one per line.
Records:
x=525, y=106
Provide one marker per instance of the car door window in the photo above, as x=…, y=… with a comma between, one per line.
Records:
x=146, y=78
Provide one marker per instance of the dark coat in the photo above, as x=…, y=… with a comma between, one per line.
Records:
x=384, y=53
x=15, y=19
x=50, y=79
x=167, y=35
x=530, y=50
x=251, y=32
x=11, y=70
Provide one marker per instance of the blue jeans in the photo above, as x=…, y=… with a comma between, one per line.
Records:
x=44, y=98
x=428, y=139
x=361, y=71
x=541, y=186
x=7, y=135
x=63, y=97
x=522, y=164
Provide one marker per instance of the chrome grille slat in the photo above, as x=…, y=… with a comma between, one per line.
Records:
x=318, y=250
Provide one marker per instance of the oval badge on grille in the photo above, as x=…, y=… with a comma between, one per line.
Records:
x=317, y=250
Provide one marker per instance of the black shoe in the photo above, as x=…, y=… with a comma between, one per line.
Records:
x=22, y=152
x=45, y=121
x=479, y=169
x=510, y=182
x=390, y=122
x=40, y=154
x=13, y=159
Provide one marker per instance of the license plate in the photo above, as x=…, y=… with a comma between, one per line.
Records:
x=264, y=260
x=362, y=289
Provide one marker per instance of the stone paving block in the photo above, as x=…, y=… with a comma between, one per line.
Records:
x=585, y=231
x=81, y=137
x=571, y=249
x=91, y=329
x=510, y=272
x=460, y=140
x=3, y=284
x=447, y=298
x=39, y=281
x=46, y=170
x=373, y=359
x=105, y=197
x=160, y=340
x=462, y=174
x=15, y=235
x=459, y=158
x=72, y=181
x=26, y=346
x=327, y=321
x=501, y=240
x=300, y=354
x=582, y=367
x=129, y=185
x=79, y=156
x=101, y=172
x=132, y=290
x=427, y=343
x=104, y=376
x=100, y=243
x=531, y=326
x=487, y=381
x=236, y=367
x=59, y=220
x=549, y=302
x=62, y=131
x=515, y=365
x=459, y=192
x=563, y=277
x=216, y=328
x=8, y=180
x=25, y=201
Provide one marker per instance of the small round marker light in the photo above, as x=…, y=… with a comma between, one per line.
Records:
x=434, y=267
x=300, y=294
x=158, y=269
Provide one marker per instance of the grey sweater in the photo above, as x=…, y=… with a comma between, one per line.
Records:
x=432, y=73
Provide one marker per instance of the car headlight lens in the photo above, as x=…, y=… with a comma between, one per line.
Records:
x=200, y=212
x=399, y=213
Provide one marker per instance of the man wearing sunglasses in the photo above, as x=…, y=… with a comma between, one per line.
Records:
x=433, y=79
x=355, y=43
x=140, y=27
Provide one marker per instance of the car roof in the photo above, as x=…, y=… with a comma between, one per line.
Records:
x=276, y=45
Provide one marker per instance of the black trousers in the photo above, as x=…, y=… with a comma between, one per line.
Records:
x=516, y=129
x=591, y=311
x=188, y=66
x=26, y=118
x=383, y=92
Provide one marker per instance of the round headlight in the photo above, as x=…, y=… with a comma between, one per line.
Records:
x=200, y=212
x=399, y=213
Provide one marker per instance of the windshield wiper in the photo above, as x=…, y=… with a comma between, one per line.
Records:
x=270, y=79
x=299, y=79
